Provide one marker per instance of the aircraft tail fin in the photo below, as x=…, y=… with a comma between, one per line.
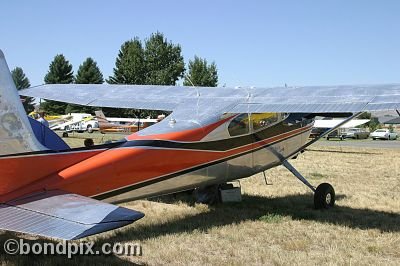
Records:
x=100, y=116
x=16, y=135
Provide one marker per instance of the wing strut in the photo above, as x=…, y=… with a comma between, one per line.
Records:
x=324, y=194
x=297, y=174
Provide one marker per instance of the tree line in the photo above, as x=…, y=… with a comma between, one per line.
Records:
x=154, y=61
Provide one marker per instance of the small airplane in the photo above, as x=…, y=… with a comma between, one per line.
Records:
x=122, y=125
x=212, y=136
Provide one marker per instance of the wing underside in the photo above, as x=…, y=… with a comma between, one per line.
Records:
x=57, y=214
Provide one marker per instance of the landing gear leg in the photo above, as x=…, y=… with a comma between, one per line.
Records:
x=324, y=194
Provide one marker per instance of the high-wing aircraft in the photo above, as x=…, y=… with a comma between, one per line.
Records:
x=212, y=136
x=122, y=125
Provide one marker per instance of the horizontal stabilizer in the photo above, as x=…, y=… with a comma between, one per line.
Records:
x=58, y=214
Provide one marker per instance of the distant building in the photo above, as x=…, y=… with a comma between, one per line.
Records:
x=393, y=122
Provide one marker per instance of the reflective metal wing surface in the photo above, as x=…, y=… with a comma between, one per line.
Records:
x=62, y=215
x=312, y=99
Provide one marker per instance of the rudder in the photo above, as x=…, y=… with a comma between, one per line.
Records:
x=16, y=135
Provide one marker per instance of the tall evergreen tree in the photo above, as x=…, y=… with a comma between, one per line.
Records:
x=129, y=66
x=201, y=73
x=60, y=72
x=88, y=73
x=164, y=62
x=22, y=82
x=159, y=63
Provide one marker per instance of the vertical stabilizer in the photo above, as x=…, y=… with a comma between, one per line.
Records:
x=101, y=117
x=16, y=135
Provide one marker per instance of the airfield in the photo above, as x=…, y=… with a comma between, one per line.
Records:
x=274, y=224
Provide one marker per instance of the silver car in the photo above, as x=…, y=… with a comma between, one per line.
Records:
x=383, y=134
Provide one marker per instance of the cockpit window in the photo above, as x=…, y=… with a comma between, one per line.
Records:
x=239, y=125
x=263, y=120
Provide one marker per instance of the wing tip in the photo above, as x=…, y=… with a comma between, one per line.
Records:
x=118, y=218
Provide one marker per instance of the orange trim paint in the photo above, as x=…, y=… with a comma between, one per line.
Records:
x=120, y=167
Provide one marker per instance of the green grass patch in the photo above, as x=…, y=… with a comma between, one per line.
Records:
x=317, y=175
x=271, y=218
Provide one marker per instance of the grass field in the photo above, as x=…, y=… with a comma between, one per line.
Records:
x=273, y=225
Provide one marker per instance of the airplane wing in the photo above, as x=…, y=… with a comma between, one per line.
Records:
x=58, y=214
x=334, y=122
x=309, y=99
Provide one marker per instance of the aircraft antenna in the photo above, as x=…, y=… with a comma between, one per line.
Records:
x=198, y=93
x=197, y=89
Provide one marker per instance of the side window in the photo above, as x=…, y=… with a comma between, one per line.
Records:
x=263, y=120
x=239, y=125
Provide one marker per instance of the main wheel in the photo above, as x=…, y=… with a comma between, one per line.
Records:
x=207, y=195
x=324, y=197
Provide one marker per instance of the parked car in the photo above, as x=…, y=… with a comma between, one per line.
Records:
x=83, y=126
x=356, y=133
x=383, y=134
x=316, y=132
x=339, y=134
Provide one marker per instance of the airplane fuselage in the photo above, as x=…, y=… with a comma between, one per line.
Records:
x=148, y=164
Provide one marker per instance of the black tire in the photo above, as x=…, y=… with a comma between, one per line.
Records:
x=89, y=129
x=324, y=197
x=65, y=135
x=207, y=195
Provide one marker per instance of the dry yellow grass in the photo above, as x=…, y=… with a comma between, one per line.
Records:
x=273, y=225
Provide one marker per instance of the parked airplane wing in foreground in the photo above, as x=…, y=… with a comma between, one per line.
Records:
x=58, y=214
x=312, y=99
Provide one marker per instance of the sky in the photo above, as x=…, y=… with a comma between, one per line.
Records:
x=254, y=43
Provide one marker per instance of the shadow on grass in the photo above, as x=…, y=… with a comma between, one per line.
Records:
x=268, y=210
x=296, y=207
